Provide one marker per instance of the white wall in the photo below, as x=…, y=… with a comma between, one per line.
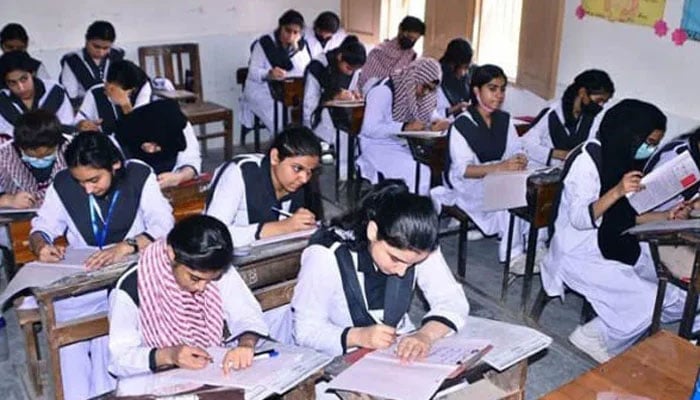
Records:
x=224, y=30
x=641, y=64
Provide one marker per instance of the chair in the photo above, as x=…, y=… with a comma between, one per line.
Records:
x=241, y=76
x=180, y=64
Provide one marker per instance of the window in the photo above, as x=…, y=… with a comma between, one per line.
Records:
x=497, y=34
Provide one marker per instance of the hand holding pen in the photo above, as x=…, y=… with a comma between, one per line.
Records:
x=188, y=357
x=300, y=220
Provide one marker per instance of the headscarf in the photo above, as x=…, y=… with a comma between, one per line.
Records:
x=623, y=129
x=385, y=58
x=456, y=89
x=171, y=316
x=159, y=122
x=407, y=106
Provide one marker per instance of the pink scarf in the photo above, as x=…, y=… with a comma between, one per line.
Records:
x=406, y=106
x=384, y=59
x=171, y=316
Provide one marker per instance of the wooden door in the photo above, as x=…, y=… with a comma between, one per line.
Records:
x=540, y=41
x=446, y=20
x=362, y=18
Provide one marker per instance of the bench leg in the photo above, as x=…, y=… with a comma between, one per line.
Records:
x=462, y=249
x=32, y=351
x=529, y=266
x=538, y=307
x=506, y=265
x=228, y=137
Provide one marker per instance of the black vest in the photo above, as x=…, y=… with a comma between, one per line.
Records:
x=51, y=103
x=91, y=74
x=564, y=138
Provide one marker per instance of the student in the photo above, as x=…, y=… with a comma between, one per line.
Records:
x=246, y=191
x=127, y=87
x=83, y=69
x=406, y=101
x=283, y=53
x=358, y=277
x=483, y=140
x=570, y=121
x=189, y=278
x=104, y=203
x=24, y=92
x=157, y=133
x=332, y=76
x=393, y=54
x=589, y=252
x=30, y=161
x=13, y=37
x=453, y=94
x=325, y=35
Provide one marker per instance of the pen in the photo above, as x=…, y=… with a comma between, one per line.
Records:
x=473, y=358
x=260, y=355
x=282, y=212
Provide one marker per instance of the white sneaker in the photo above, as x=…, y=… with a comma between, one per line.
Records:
x=327, y=159
x=587, y=338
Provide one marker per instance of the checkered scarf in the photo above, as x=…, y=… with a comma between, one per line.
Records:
x=407, y=106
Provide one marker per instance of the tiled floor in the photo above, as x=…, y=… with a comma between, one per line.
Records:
x=559, y=364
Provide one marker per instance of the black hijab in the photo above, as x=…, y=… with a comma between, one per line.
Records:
x=623, y=129
x=159, y=122
x=456, y=90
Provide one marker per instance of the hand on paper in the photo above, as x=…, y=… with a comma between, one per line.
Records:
x=188, y=357
x=516, y=163
x=372, y=337
x=237, y=358
x=170, y=179
x=277, y=73
x=87, y=125
x=20, y=200
x=108, y=256
x=680, y=211
x=300, y=220
x=345, y=94
x=439, y=125
x=51, y=253
x=630, y=182
x=414, y=126
x=413, y=347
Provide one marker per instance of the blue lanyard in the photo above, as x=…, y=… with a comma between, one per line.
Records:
x=101, y=234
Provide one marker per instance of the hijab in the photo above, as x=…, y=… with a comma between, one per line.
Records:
x=407, y=106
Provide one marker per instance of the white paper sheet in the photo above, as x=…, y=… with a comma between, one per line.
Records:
x=446, y=351
x=265, y=377
x=344, y=103
x=505, y=190
x=666, y=226
x=423, y=134
x=282, y=238
x=665, y=183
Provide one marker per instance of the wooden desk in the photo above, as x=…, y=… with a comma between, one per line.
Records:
x=289, y=92
x=661, y=367
x=431, y=152
x=270, y=271
x=541, y=193
x=188, y=198
x=691, y=286
x=353, y=117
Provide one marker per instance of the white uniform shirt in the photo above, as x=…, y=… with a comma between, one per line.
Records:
x=129, y=354
x=64, y=112
x=320, y=308
x=191, y=156
x=229, y=204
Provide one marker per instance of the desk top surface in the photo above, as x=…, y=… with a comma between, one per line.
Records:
x=663, y=366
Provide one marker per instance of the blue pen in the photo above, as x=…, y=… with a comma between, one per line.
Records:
x=260, y=355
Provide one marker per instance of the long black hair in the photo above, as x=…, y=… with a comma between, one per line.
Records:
x=352, y=51
x=595, y=81
x=93, y=149
x=458, y=52
x=202, y=243
x=126, y=74
x=404, y=220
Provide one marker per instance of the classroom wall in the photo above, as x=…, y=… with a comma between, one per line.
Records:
x=641, y=64
x=224, y=30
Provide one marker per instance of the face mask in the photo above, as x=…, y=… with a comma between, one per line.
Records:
x=405, y=42
x=591, y=108
x=481, y=103
x=644, y=151
x=39, y=163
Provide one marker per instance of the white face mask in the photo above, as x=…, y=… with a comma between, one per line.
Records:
x=481, y=103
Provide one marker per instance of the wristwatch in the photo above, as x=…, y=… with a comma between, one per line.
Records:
x=133, y=243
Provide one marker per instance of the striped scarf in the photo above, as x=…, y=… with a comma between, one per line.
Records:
x=171, y=316
x=15, y=175
x=407, y=106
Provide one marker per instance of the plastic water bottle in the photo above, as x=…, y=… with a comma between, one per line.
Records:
x=4, y=345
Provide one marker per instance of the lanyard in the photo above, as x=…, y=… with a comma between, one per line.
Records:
x=101, y=234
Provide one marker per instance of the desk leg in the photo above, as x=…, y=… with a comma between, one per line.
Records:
x=285, y=116
x=506, y=266
x=691, y=301
x=276, y=118
x=54, y=387
x=529, y=266
x=462, y=249
x=350, y=186
x=661, y=289
x=228, y=137
x=337, y=164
